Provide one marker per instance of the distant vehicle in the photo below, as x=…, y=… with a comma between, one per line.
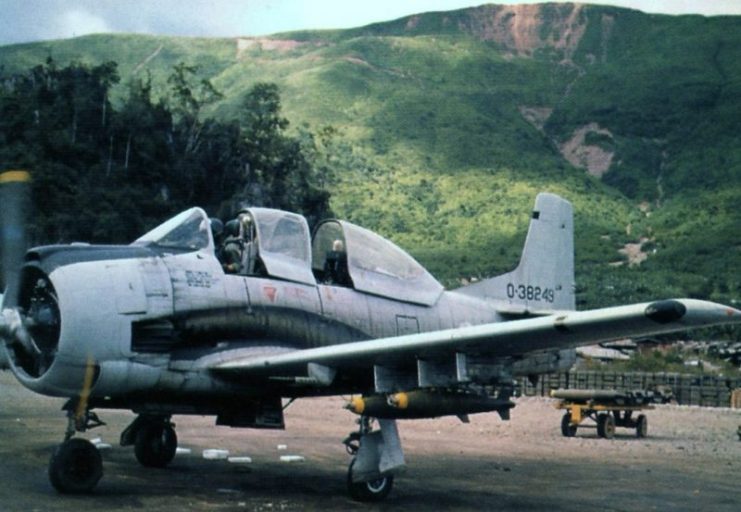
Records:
x=161, y=328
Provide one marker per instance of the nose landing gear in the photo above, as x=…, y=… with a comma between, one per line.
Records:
x=76, y=466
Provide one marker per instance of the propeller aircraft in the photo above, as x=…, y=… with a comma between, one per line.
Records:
x=165, y=326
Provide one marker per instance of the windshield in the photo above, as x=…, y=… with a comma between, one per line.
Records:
x=187, y=231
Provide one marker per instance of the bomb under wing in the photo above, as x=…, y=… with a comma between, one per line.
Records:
x=427, y=404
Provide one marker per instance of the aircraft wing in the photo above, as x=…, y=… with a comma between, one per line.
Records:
x=502, y=339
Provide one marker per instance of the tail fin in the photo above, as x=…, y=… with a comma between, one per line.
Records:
x=543, y=282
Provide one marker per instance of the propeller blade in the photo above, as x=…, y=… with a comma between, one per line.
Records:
x=14, y=198
x=87, y=384
x=11, y=326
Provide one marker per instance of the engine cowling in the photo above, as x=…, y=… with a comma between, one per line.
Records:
x=71, y=303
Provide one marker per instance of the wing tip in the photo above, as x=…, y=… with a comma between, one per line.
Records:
x=692, y=310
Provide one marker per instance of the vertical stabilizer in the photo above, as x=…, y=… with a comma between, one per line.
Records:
x=543, y=281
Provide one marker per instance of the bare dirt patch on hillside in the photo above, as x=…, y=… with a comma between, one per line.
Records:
x=537, y=116
x=523, y=29
x=263, y=43
x=595, y=159
x=634, y=252
x=689, y=462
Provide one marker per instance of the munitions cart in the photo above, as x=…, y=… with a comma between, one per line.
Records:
x=606, y=409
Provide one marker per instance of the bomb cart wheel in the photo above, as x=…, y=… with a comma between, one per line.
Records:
x=567, y=429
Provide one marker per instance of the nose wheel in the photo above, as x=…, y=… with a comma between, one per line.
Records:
x=75, y=467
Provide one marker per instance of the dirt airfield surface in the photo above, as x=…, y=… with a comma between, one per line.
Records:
x=690, y=461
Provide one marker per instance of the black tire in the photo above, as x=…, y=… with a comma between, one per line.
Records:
x=605, y=425
x=567, y=429
x=601, y=425
x=641, y=426
x=155, y=445
x=373, y=491
x=608, y=426
x=75, y=467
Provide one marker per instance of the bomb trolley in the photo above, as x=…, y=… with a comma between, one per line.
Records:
x=608, y=409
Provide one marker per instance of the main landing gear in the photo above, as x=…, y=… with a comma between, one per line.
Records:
x=76, y=465
x=377, y=456
x=154, y=440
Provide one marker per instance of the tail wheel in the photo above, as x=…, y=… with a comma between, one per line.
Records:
x=75, y=467
x=567, y=429
x=155, y=445
x=375, y=490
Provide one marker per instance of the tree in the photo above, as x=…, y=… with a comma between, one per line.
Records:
x=105, y=174
x=278, y=173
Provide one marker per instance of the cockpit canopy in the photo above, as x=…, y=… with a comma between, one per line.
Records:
x=371, y=263
x=284, y=244
x=375, y=264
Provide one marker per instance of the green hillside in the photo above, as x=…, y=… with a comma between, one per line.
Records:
x=449, y=124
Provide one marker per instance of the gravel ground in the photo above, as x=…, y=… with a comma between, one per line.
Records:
x=690, y=461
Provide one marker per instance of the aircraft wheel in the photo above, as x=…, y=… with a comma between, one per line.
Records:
x=375, y=490
x=75, y=467
x=567, y=429
x=641, y=426
x=155, y=445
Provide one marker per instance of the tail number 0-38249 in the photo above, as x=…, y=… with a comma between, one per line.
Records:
x=529, y=292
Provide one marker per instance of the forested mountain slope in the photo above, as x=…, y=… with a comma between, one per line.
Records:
x=445, y=125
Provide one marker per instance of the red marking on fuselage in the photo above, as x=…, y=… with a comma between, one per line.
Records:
x=271, y=292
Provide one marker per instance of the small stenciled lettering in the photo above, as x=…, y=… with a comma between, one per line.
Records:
x=198, y=279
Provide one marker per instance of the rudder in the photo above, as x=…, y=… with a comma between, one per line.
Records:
x=543, y=282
